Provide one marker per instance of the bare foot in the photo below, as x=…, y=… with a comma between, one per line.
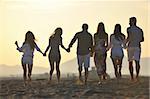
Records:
x=49, y=82
x=99, y=83
x=25, y=83
x=136, y=79
x=58, y=82
x=79, y=82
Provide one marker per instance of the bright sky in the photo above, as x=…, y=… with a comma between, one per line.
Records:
x=43, y=16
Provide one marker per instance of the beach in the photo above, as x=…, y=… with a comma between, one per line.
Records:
x=69, y=88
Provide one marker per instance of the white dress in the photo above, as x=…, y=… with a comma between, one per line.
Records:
x=27, y=57
x=117, y=48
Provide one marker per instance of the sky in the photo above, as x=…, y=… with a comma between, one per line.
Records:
x=42, y=17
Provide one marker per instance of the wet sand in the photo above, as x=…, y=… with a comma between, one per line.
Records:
x=69, y=88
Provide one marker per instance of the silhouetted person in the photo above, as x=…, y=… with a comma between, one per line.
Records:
x=117, y=41
x=100, y=44
x=28, y=49
x=54, y=56
x=84, y=47
x=134, y=39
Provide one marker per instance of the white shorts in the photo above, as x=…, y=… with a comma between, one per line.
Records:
x=84, y=59
x=134, y=53
x=27, y=60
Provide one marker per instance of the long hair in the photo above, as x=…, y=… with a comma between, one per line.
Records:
x=101, y=30
x=57, y=33
x=29, y=38
x=117, y=32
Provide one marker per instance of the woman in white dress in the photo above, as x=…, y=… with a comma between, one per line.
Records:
x=117, y=40
x=27, y=59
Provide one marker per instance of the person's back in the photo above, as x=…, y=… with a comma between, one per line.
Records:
x=135, y=36
x=100, y=42
x=54, y=56
x=55, y=42
x=84, y=47
x=134, y=39
x=84, y=42
x=27, y=59
x=115, y=42
x=27, y=51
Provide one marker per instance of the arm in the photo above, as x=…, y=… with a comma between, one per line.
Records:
x=17, y=44
x=61, y=44
x=142, y=40
x=73, y=40
x=20, y=49
x=110, y=44
x=94, y=43
x=47, y=48
x=38, y=49
x=92, y=47
x=126, y=41
x=106, y=42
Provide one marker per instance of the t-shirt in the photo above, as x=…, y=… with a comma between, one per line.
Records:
x=135, y=36
x=85, y=42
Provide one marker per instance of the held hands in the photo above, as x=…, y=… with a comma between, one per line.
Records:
x=107, y=49
x=68, y=50
x=91, y=54
x=44, y=54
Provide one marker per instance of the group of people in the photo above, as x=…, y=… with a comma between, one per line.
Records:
x=88, y=47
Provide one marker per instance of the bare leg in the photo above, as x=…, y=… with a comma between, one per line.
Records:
x=131, y=69
x=115, y=67
x=52, y=69
x=86, y=75
x=120, y=74
x=80, y=73
x=137, y=68
x=30, y=71
x=116, y=70
x=58, y=70
x=120, y=66
x=24, y=72
x=105, y=74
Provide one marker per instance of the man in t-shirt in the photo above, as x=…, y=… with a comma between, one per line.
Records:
x=84, y=49
x=134, y=39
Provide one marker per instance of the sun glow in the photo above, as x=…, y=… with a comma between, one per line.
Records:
x=43, y=16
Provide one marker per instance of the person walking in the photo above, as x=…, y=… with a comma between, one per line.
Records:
x=117, y=42
x=27, y=59
x=133, y=42
x=54, y=56
x=84, y=49
x=100, y=54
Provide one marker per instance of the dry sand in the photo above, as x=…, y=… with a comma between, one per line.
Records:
x=70, y=89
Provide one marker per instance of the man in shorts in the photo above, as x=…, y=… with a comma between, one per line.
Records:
x=134, y=39
x=84, y=49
